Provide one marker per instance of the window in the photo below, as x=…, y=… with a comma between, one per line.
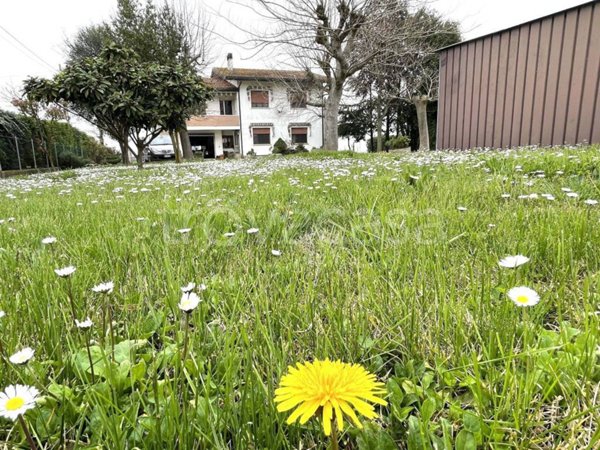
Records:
x=227, y=141
x=259, y=99
x=226, y=107
x=298, y=99
x=162, y=139
x=261, y=136
x=299, y=135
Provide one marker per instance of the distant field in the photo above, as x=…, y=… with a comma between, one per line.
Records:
x=390, y=261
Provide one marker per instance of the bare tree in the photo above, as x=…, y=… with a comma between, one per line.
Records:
x=408, y=68
x=326, y=36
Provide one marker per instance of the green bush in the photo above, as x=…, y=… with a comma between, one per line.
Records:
x=72, y=161
x=300, y=148
x=280, y=147
x=112, y=158
x=397, y=142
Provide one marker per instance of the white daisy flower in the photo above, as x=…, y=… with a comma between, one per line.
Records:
x=511, y=262
x=189, y=301
x=104, y=288
x=188, y=288
x=22, y=356
x=523, y=296
x=65, y=271
x=228, y=234
x=461, y=208
x=590, y=202
x=276, y=252
x=252, y=230
x=16, y=400
x=505, y=196
x=2, y=314
x=84, y=325
x=184, y=230
x=572, y=194
x=49, y=240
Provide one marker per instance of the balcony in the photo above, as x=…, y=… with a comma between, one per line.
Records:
x=214, y=122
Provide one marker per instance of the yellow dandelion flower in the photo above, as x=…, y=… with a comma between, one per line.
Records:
x=330, y=388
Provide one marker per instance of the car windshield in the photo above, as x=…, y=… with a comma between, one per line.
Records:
x=162, y=140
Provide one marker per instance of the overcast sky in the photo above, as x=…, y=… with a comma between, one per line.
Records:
x=32, y=32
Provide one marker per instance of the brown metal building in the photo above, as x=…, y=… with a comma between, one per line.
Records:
x=533, y=84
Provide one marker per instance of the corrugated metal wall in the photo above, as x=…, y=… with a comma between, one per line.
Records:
x=534, y=84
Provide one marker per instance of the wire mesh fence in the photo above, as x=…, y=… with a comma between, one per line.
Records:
x=19, y=154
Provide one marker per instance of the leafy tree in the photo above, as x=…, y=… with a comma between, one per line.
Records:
x=124, y=96
x=356, y=121
x=89, y=41
x=165, y=34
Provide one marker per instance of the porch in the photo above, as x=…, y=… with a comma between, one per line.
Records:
x=213, y=136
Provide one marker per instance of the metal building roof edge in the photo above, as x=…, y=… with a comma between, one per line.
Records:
x=562, y=11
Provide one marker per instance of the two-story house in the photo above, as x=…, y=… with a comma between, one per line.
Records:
x=252, y=108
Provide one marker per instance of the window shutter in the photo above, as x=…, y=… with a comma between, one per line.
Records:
x=259, y=97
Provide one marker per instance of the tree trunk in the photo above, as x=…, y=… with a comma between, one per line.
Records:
x=398, y=119
x=175, y=142
x=140, y=155
x=421, y=105
x=379, y=127
x=184, y=137
x=388, y=124
x=124, y=146
x=331, y=113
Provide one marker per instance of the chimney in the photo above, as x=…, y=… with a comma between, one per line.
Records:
x=230, y=61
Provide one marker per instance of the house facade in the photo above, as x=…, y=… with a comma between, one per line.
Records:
x=252, y=108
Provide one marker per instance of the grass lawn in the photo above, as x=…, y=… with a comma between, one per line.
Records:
x=388, y=261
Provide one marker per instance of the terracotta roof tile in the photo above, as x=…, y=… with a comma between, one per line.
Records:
x=218, y=84
x=261, y=74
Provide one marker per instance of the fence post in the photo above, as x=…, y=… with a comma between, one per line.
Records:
x=45, y=145
x=18, y=154
x=33, y=153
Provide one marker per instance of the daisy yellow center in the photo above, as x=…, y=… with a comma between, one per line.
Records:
x=15, y=403
x=522, y=299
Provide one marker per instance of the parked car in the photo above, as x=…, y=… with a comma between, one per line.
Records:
x=161, y=148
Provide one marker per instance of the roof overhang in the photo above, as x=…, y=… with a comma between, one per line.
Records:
x=209, y=128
